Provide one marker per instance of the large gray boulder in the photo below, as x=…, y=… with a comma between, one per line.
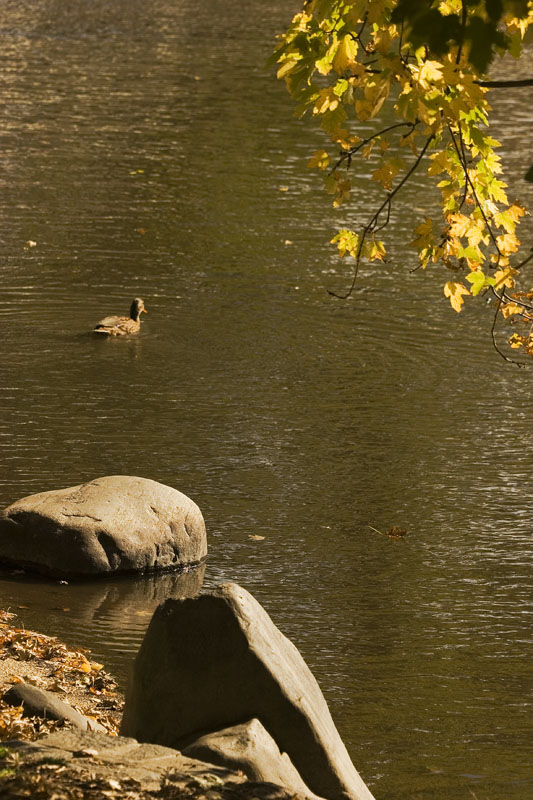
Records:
x=211, y=662
x=109, y=525
x=251, y=749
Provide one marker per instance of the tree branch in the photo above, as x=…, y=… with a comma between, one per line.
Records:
x=505, y=84
x=353, y=150
x=372, y=224
x=464, y=16
x=468, y=180
x=493, y=331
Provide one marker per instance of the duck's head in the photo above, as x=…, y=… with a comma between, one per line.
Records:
x=137, y=307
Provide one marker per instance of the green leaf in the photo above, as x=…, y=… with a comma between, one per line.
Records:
x=340, y=87
x=479, y=281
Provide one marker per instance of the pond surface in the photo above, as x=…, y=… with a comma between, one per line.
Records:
x=145, y=150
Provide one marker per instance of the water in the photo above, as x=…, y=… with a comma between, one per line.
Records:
x=144, y=148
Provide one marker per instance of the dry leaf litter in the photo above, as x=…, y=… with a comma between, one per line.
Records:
x=46, y=662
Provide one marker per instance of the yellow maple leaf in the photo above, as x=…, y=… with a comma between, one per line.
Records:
x=504, y=277
x=320, y=159
x=387, y=172
x=367, y=149
x=509, y=218
x=508, y=243
x=363, y=109
x=343, y=189
x=430, y=72
x=497, y=192
x=375, y=249
x=474, y=236
x=286, y=67
x=409, y=141
x=459, y=225
x=424, y=234
x=375, y=95
x=511, y=308
x=517, y=341
x=382, y=40
x=455, y=291
x=345, y=55
x=327, y=101
x=440, y=162
x=347, y=242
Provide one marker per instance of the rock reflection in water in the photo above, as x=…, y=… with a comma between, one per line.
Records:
x=110, y=616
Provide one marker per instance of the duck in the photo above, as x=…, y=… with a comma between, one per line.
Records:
x=118, y=326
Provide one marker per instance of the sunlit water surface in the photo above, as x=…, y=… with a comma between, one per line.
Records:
x=146, y=151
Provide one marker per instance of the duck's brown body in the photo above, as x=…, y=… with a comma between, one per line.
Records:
x=118, y=326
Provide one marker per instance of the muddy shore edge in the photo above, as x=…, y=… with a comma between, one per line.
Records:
x=48, y=663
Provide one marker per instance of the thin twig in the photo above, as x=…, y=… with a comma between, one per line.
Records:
x=357, y=36
x=463, y=163
x=403, y=59
x=525, y=261
x=469, y=180
x=493, y=333
x=516, y=300
x=384, y=224
x=376, y=531
x=353, y=150
x=505, y=84
x=372, y=224
x=464, y=14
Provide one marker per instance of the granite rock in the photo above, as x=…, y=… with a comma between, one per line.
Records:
x=112, y=524
x=250, y=748
x=211, y=662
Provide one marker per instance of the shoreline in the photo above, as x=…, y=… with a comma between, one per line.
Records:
x=47, y=663
x=53, y=760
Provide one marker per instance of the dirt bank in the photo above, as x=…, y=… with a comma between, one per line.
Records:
x=46, y=662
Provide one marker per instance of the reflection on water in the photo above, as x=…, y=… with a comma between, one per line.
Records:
x=143, y=147
x=107, y=616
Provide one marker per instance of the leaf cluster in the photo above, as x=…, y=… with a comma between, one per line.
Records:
x=347, y=62
x=477, y=26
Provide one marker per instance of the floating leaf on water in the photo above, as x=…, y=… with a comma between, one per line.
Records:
x=397, y=533
x=392, y=533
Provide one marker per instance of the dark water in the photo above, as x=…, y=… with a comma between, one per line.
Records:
x=143, y=147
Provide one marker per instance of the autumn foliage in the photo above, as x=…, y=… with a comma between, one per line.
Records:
x=420, y=66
